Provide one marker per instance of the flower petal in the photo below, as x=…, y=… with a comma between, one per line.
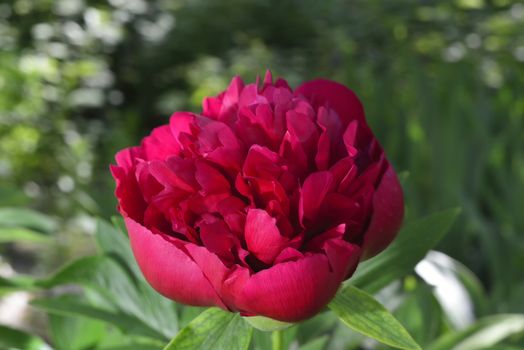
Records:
x=168, y=269
x=130, y=199
x=263, y=238
x=322, y=92
x=315, y=188
x=296, y=290
x=388, y=212
x=161, y=144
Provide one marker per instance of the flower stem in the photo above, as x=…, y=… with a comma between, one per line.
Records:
x=276, y=340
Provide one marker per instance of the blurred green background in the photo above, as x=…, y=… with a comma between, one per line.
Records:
x=442, y=83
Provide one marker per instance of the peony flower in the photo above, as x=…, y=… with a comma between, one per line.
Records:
x=264, y=203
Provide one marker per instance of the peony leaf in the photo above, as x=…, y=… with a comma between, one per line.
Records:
x=22, y=217
x=19, y=234
x=15, y=283
x=266, y=324
x=113, y=240
x=11, y=338
x=362, y=313
x=484, y=334
x=75, y=333
x=214, y=329
x=116, y=284
x=399, y=259
x=71, y=305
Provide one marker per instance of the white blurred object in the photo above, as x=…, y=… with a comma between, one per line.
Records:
x=439, y=270
x=13, y=307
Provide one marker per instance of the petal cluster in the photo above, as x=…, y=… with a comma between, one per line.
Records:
x=261, y=204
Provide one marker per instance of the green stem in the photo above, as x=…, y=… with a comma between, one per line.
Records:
x=277, y=341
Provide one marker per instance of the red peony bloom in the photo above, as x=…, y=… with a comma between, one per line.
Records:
x=264, y=203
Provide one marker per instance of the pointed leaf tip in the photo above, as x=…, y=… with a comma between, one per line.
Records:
x=362, y=313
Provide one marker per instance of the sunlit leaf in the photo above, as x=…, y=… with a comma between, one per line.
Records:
x=213, y=329
x=19, y=234
x=362, y=313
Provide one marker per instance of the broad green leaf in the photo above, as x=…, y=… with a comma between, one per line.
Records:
x=484, y=333
x=16, y=339
x=213, y=329
x=23, y=217
x=112, y=240
x=19, y=234
x=131, y=296
x=75, y=333
x=362, y=313
x=187, y=313
x=69, y=306
x=399, y=259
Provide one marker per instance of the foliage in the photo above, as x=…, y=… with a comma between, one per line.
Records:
x=441, y=82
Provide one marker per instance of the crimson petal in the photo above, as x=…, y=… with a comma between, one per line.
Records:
x=322, y=92
x=263, y=238
x=296, y=290
x=388, y=204
x=168, y=269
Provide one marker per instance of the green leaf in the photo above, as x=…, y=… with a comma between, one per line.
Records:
x=19, y=234
x=11, y=338
x=133, y=346
x=188, y=313
x=399, y=259
x=70, y=306
x=362, y=313
x=317, y=326
x=16, y=283
x=484, y=333
x=22, y=217
x=267, y=324
x=131, y=296
x=111, y=240
x=75, y=333
x=317, y=344
x=213, y=329
x=420, y=313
